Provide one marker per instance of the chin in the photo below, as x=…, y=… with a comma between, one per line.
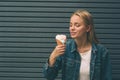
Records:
x=73, y=37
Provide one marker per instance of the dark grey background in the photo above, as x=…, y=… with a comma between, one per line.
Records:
x=28, y=28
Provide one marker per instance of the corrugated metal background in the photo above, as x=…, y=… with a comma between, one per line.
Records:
x=28, y=28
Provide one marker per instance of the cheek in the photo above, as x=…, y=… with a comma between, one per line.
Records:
x=81, y=31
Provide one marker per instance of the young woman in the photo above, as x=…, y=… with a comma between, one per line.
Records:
x=82, y=57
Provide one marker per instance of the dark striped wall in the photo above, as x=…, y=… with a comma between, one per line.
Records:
x=28, y=28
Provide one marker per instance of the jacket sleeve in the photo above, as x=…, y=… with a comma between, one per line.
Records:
x=50, y=73
x=106, y=66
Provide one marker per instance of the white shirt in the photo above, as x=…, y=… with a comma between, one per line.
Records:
x=85, y=65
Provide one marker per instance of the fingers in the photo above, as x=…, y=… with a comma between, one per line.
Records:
x=59, y=50
x=60, y=47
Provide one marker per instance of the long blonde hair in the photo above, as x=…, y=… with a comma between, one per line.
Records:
x=88, y=20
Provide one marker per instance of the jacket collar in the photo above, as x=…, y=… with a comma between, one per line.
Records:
x=94, y=48
x=74, y=47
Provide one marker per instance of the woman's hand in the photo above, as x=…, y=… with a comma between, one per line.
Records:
x=59, y=50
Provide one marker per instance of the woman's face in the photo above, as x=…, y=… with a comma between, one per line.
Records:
x=77, y=28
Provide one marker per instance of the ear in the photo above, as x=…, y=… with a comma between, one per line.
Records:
x=88, y=28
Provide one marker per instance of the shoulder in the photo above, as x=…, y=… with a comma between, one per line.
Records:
x=71, y=43
x=102, y=49
x=70, y=46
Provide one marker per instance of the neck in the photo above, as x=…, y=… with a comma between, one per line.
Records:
x=81, y=42
x=83, y=45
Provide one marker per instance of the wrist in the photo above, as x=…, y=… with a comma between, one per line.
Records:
x=52, y=60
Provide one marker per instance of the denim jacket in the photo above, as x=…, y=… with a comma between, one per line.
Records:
x=69, y=64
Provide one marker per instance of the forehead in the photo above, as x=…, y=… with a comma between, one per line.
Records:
x=76, y=18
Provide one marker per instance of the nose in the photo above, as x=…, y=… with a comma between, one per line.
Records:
x=72, y=27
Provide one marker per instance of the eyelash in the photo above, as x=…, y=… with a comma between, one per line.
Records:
x=77, y=25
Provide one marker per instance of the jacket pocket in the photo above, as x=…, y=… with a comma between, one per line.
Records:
x=69, y=62
x=97, y=71
x=69, y=68
x=98, y=65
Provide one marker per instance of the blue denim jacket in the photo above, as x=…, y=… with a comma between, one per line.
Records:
x=69, y=64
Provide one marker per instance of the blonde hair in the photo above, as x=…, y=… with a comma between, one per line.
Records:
x=88, y=20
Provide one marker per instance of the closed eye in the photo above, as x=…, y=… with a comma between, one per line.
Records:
x=77, y=25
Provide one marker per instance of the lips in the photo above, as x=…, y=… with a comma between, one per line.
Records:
x=72, y=33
